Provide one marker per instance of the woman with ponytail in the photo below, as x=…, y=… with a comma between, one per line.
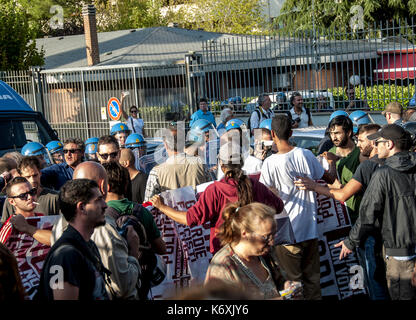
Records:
x=234, y=187
x=246, y=259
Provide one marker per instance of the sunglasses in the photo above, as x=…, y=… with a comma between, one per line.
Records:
x=379, y=141
x=112, y=155
x=265, y=239
x=24, y=196
x=133, y=111
x=71, y=150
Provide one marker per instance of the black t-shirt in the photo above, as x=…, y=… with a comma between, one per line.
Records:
x=365, y=170
x=138, y=187
x=66, y=263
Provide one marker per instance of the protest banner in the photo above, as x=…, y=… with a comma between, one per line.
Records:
x=29, y=253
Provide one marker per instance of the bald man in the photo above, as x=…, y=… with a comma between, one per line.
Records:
x=138, y=179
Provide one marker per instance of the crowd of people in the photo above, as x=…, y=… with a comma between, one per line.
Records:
x=107, y=245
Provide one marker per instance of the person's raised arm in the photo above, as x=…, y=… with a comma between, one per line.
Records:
x=123, y=112
x=43, y=236
x=178, y=216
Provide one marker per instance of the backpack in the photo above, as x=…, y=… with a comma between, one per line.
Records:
x=148, y=259
x=249, y=119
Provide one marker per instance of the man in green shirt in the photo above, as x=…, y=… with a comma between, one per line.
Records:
x=341, y=132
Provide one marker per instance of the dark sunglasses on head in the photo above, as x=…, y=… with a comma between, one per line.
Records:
x=105, y=155
x=71, y=150
x=24, y=196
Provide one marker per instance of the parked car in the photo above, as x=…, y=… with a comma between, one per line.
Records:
x=19, y=123
x=308, y=138
x=311, y=100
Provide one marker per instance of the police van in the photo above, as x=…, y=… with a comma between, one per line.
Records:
x=19, y=123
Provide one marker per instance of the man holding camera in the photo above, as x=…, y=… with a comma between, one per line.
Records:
x=301, y=116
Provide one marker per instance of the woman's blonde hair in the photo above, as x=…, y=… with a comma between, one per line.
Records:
x=238, y=218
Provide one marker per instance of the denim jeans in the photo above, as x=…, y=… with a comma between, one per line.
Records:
x=376, y=289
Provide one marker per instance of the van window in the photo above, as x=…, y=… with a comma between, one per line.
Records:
x=16, y=133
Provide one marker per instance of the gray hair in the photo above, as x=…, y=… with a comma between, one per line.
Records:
x=225, y=113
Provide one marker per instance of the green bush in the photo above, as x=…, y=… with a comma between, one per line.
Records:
x=377, y=96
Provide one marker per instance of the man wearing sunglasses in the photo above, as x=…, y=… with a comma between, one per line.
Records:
x=108, y=150
x=55, y=176
x=30, y=168
x=389, y=202
x=22, y=196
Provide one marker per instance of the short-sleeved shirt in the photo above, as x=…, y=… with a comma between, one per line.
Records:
x=279, y=171
x=346, y=168
x=365, y=171
x=304, y=118
x=76, y=269
x=138, y=187
x=147, y=220
x=201, y=115
x=137, y=126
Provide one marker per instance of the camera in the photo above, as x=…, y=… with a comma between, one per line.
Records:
x=297, y=120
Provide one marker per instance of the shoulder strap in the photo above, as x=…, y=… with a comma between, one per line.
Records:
x=112, y=213
x=308, y=112
x=132, y=124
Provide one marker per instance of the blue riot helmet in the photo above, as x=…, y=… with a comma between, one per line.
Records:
x=120, y=131
x=91, y=146
x=55, y=149
x=358, y=118
x=267, y=124
x=336, y=114
x=202, y=124
x=235, y=124
x=37, y=149
x=93, y=140
x=135, y=141
x=235, y=100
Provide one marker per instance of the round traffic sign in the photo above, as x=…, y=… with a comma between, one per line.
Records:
x=113, y=109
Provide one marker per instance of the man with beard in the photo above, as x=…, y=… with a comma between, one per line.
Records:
x=370, y=252
x=73, y=269
x=341, y=133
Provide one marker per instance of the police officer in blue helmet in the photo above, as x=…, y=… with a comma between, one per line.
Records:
x=359, y=118
x=55, y=149
x=204, y=126
x=137, y=144
x=91, y=145
x=37, y=149
x=120, y=131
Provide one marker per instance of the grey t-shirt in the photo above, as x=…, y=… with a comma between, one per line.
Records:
x=48, y=204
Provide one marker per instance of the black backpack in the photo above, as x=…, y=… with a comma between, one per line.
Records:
x=147, y=259
x=249, y=119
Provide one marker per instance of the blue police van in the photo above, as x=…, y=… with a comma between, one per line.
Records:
x=19, y=123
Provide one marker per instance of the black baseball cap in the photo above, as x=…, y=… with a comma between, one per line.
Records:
x=391, y=132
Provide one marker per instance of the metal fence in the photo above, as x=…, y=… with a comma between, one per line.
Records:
x=332, y=70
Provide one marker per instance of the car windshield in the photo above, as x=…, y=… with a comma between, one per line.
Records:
x=310, y=143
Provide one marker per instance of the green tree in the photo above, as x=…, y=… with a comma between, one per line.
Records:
x=43, y=15
x=225, y=16
x=299, y=15
x=17, y=46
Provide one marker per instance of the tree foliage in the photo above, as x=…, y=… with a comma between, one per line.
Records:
x=17, y=46
x=298, y=15
x=225, y=16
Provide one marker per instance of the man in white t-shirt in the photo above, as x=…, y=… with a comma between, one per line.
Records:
x=135, y=124
x=300, y=260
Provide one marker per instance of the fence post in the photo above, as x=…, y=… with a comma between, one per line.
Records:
x=193, y=65
x=37, y=86
x=84, y=99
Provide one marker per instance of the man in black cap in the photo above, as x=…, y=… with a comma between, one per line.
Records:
x=389, y=202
